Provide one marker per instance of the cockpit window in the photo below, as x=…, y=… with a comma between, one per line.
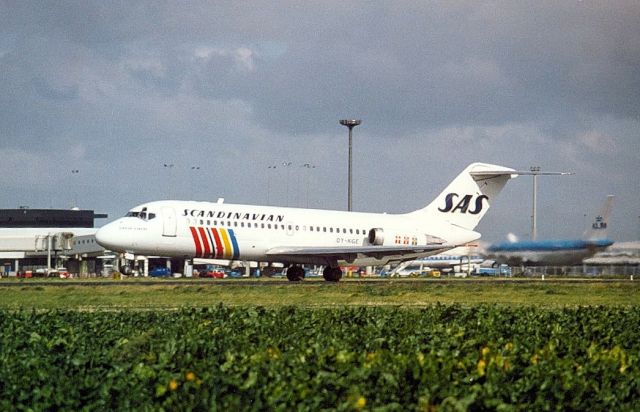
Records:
x=143, y=214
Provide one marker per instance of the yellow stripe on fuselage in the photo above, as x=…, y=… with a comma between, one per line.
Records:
x=228, y=250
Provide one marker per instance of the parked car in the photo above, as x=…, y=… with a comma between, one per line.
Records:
x=61, y=272
x=220, y=272
x=213, y=273
x=500, y=270
x=236, y=273
x=160, y=272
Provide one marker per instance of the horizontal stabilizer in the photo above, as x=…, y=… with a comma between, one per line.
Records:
x=513, y=173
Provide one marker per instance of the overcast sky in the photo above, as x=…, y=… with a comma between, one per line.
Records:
x=219, y=91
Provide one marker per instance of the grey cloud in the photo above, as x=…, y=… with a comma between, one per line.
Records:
x=54, y=92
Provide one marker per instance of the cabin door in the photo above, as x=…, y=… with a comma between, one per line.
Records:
x=169, y=223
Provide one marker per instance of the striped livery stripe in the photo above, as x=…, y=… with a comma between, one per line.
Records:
x=215, y=243
x=211, y=242
x=234, y=242
x=196, y=240
x=205, y=242
x=227, y=244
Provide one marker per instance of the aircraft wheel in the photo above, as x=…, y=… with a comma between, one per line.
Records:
x=332, y=274
x=295, y=273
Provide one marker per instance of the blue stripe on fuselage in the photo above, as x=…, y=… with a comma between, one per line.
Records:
x=234, y=242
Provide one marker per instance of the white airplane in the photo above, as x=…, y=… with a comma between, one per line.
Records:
x=294, y=236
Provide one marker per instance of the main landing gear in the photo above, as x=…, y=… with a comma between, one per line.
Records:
x=295, y=273
x=332, y=274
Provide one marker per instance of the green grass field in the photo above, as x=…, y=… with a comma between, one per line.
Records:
x=140, y=294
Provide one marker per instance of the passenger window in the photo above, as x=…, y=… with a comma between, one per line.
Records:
x=324, y=229
x=297, y=228
x=290, y=228
x=269, y=226
x=330, y=230
x=310, y=228
x=151, y=215
x=235, y=224
x=201, y=222
x=351, y=231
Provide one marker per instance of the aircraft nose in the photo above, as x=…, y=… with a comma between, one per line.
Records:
x=107, y=236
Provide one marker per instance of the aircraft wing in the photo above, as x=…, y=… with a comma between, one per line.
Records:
x=330, y=255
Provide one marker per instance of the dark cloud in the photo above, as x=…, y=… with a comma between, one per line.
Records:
x=430, y=65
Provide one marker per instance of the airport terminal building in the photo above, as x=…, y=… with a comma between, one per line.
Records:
x=42, y=240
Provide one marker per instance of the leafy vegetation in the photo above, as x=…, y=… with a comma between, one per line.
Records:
x=441, y=357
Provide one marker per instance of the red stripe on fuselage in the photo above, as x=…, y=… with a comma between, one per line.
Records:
x=196, y=240
x=205, y=242
x=219, y=248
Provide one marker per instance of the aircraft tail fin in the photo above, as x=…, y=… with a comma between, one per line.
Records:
x=468, y=197
x=598, y=229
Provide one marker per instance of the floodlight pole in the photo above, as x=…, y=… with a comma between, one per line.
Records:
x=534, y=218
x=350, y=123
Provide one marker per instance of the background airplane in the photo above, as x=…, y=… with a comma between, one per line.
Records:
x=294, y=236
x=462, y=259
x=454, y=258
x=555, y=252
